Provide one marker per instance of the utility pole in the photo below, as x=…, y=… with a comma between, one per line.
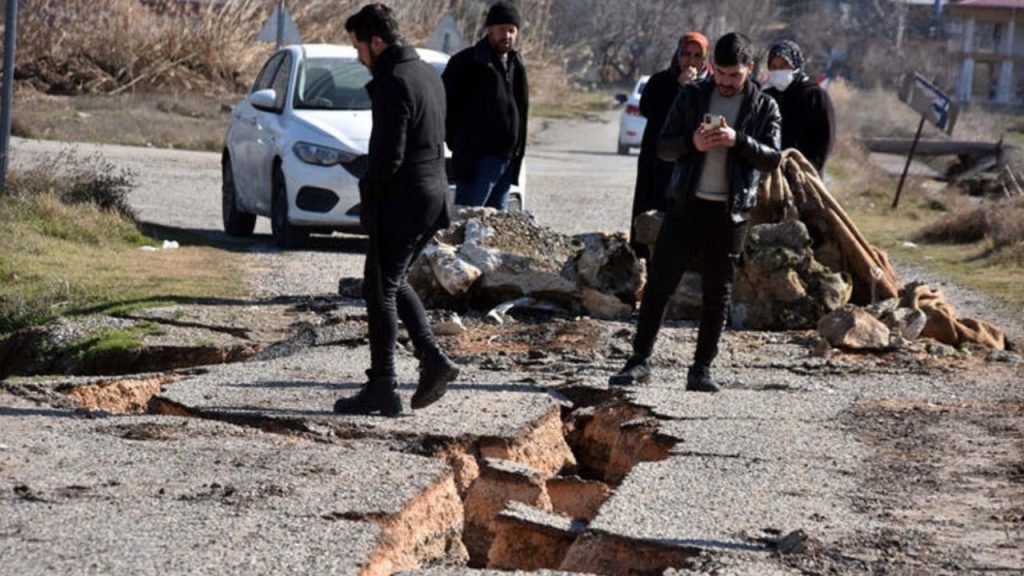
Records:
x=10, y=44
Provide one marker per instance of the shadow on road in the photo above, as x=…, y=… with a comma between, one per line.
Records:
x=346, y=243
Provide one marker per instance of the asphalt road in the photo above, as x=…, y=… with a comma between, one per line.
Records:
x=897, y=464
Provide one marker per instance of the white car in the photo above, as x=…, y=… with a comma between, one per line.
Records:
x=296, y=145
x=631, y=123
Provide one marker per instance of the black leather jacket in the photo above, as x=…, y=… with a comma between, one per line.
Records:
x=757, y=149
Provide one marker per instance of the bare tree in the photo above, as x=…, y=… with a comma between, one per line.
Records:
x=622, y=40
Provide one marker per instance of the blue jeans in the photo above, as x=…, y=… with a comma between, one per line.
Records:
x=489, y=187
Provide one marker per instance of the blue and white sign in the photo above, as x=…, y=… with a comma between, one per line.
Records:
x=932, y=103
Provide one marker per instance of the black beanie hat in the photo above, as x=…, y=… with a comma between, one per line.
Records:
x=503, y=13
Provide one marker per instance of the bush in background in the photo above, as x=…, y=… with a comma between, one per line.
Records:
x=52, y=209
x=75, y=180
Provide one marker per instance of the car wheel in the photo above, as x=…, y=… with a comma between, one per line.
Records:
x=236, y=222
x=623, y=149
x=286, y=235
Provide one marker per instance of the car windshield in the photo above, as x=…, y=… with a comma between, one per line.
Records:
x=332, y=84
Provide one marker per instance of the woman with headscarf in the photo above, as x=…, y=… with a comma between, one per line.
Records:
x=689, y=63
x=808, y=121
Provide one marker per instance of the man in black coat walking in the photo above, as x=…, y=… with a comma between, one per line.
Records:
x=404, y=201
x=488, y=102
x=722, y=134
x=808, y=120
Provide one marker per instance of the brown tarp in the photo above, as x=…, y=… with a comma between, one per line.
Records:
x=794, y=190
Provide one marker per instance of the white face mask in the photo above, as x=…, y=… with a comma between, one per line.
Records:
x=780, y=79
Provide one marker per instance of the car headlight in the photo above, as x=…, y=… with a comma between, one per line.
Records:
x=321, y=155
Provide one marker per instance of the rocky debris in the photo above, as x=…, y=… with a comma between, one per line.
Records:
x=489, y=258
x=780, y=286
x=854, y=328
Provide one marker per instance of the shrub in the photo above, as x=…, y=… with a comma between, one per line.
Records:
x=76, y=180
x=962, y=227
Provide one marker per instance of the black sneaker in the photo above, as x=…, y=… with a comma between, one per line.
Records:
x=371, y=399
x=434, y=378
x=698, y=379
x=636, y=371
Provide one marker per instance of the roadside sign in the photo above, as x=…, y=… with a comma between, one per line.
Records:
x=930, y=102
x=934, y=107
x=280, y=28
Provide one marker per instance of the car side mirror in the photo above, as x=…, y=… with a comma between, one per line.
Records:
x=621, y=98
x=264, y=100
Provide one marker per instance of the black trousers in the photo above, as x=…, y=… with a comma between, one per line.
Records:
x=703, y=228
x=389, y=297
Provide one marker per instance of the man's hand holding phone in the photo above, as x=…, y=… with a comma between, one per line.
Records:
x=714, y=132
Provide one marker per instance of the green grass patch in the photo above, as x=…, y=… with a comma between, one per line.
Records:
x=112, y=339
x=63, y=253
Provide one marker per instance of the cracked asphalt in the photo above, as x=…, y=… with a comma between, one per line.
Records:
x=901, y=463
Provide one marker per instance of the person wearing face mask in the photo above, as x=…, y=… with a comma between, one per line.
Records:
x=689, y=64
x=808, y=120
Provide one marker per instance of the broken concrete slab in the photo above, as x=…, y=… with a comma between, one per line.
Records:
x=720, y=502
x=499, y=483
x=481, y=409
x=98, y=491
x=529, y=538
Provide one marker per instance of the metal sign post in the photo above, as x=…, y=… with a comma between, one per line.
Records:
x=10, y=45
x=280, y=24
x=934, y=106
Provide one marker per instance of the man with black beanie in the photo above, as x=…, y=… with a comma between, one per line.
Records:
x=488, y=102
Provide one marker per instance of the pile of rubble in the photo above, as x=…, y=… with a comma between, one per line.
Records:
x=488, y=258
x=491, y=259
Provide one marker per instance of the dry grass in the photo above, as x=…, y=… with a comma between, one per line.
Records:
x=954, y=235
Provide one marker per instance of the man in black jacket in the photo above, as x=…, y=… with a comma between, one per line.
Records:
x=404, y=201
x=808, y=121
x=488, y=101
x=722, y=134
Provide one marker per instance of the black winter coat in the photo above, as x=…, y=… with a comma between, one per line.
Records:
x=808, y=121
x=405, y=188
x=756, y=150
x=653, y=173
x=486, y=115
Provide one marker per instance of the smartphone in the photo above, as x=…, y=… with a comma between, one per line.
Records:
x=712, y=121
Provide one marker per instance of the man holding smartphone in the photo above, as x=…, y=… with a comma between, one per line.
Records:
x=722, y=134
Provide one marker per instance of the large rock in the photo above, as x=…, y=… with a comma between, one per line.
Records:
x=780, y=285
x=610, y=275
x=854, y=328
